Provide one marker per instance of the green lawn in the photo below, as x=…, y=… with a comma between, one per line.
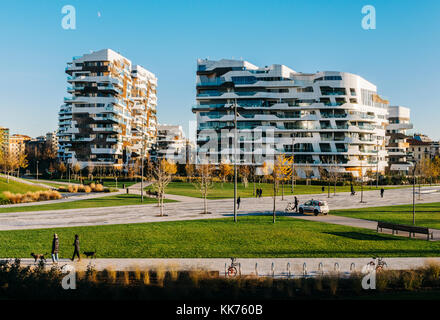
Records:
x=226, y=190
x=109, y=201
x=252, y=236
x=427, y=214
x=16, y=187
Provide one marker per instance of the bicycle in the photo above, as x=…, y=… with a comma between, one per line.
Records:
x=232, y=270
x=381, y=264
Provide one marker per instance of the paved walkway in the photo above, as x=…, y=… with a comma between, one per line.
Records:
x=191, y=209
x=248, y=266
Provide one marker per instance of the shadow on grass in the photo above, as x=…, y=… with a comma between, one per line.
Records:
x=363, y=236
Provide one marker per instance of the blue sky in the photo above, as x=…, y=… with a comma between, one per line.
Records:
x=401, y=56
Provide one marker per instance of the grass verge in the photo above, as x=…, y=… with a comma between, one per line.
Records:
x=252, y=236
x=109, y=201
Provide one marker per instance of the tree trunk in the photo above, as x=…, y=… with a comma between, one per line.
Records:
x=274, y=199
x=205, y=205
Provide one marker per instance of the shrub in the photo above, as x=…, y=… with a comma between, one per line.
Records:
x=87, y=189
x=32, y=196
x=99, y=188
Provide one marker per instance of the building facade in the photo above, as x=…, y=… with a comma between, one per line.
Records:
x=334, y=120
x=17, y=144
x=397, y=139
x=171, y=143
x=4, y=139
x=110, y=117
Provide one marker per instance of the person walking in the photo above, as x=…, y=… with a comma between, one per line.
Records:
x=295, y=207
x=261, y=193
x=352, y=190
x=382, y=190
x=55, y=246
x=238, y=202
x=76, y=248
x=323, y=189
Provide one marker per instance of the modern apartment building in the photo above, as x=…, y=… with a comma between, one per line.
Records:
x=111, y=113
x=397, y=139
x=334, y=120
x=4, y=139
x=171, y=143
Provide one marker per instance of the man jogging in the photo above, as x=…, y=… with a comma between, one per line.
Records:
x=76, y=248
x=382, y=190
x=55, y=246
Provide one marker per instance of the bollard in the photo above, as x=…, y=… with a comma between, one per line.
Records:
x=273, y=269
x=288, y=269
x=336, y=267
x=352, y=266
x=304, y=269
x=256, y=269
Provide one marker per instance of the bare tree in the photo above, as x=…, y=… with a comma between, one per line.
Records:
x=162, y=174
x=204, y=182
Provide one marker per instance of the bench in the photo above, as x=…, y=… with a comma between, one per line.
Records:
x=412, y=230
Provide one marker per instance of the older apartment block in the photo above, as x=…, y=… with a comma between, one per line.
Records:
x=334, y=120
x=109, y=118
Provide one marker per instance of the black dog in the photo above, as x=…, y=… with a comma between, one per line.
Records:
x=39, y=256
x=90, y=254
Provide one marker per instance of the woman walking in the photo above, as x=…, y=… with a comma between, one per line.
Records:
x=55, y=246
x=76, y=248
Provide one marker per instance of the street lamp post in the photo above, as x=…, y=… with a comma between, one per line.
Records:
x=362, y=181
x=142, y=163
x=414, y=193
x=293, y=164
x=377, y=163
x=37, y=170
x=235, y=161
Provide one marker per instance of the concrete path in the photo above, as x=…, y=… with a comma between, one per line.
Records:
x=248, y=266
x=191, y=209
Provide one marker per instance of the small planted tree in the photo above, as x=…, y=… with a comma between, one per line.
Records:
x=22, y=162
x=189, y=170
x=225, y=170
x=204, y=182
x=76, y=168
x=162, y=174
x=62, y=169
x=245, y=172
x=90, y=170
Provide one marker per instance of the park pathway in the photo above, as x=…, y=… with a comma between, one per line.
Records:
x=191, y=208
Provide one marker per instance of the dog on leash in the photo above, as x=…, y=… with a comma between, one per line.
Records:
x=38, y=256
x=90, y=254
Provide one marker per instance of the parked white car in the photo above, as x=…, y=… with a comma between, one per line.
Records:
x=314, y=206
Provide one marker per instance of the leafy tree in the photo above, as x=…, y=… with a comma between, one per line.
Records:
x=225, y=170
